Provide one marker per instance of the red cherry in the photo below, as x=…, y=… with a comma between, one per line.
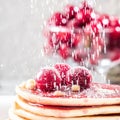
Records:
x=101, y=42
x=95, y=27
x=85, y=5
x=114, y=21
x=75, y=40
x=62, y=69
x=114, y=38
x=79, y=56
x=73, y=23
x=63, y=36
x=64, y=51
x=48, y=79
x=57, y=19
x=70, y=11
x=115, y=55
x=80, y=76
x=105, y=20
x=94, y=59
x=85, y=14
x=52, y=40
x=89, y=15
x=80, y=17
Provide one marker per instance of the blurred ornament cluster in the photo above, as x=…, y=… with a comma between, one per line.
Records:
x=82, y=33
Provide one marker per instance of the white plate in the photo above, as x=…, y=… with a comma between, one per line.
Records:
x=5, y=104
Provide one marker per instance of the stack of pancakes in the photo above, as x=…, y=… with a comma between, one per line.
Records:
x=88, y=105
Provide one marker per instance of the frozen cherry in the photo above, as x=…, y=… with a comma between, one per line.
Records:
x=75, y=40
x=115, y=55
x=85, y=14
x=79, y=56
x=52, y=40
x=73, y=23
x=95, y=27
x=101, y=42
x=80, y=17
x=114, y=38
x=105, y=20
x=80, y=76
x=48, y=79
x=64, y=51
x=114, y=21
x=70, y=11
x=62, y=69
x=58, y=19
x=63, y=36
x=94, y=60
x=85, y=5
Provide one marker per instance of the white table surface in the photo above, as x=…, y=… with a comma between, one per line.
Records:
x=5, y=104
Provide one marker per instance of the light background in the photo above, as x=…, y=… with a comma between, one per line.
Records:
x=21, y=41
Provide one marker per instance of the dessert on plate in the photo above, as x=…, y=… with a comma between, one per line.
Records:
x=63, y=92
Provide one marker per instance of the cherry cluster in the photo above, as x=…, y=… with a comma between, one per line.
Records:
x=77, y=33
x=61, y=75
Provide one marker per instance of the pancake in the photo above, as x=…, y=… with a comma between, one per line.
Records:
x=97, y=94
x=21, y=114
x=58, y=111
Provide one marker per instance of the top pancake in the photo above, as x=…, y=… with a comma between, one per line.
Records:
x=97, y=94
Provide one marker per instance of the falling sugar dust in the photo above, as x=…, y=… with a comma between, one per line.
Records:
x=75, y=34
